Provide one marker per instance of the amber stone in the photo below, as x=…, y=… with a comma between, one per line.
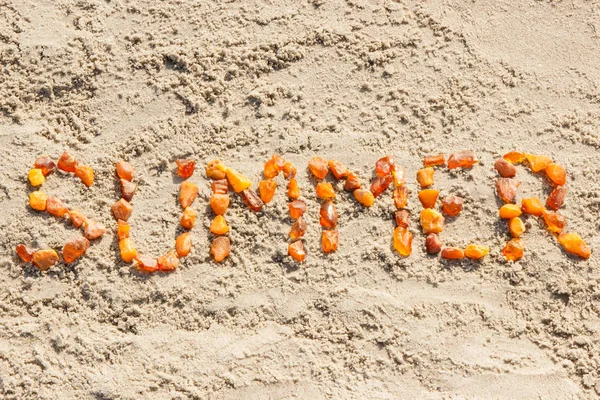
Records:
x=298, y=228
x=318, y=167
x=123, y=229
x=505, y=168
x=432, y=161
x=289, y=171
x=67, y=162
x=26, y=253
x=168, y=262
x=146, y=263
x=238, y=181
x=476, y=251
x=532, y=206
x=38, y=200
x=93, y=230
x=328, y=215
x=399, y=177
x=219, y=226
x=252, y=200
x=338, y=170
x=183, y=244
x=296, y=250
x=185, y=167
x=556, y=198
x=538, y=162
x=46, y=164
x=556, y=174
x=279, y=161
x=266, y=188
x=428, y=197
x=128, y=189
x=555, y=222
x=516, y=227
x=188, y=218
x=56, y=207
x=514, y=157
x=380, y=184
x=219, y=203
x=220, y=186
x=271, y=169
x=122, y=210
x=431, y=221
x=77, y=218
x=364, y=197
x=125, y=170
x=127, y=249
x=297, y=208
x=513, y=250
x=401, y=197
x=452, y=205
x=220, y=248
x=86, y=174
x=44, y=259
x=293, y=190
x=574, y=244
x=433, y=244
x=462, y=159
x=36, y=177
x=329, y=241
x=403, y=241
x=509, y=211
x=402, y=218
x=187, y=193
x=506, y=188
x=325, y=191
x=425, y=177
x=453, y=253
x=352, y=183
x=384, y=166
x=75, y=249
x=216, y=170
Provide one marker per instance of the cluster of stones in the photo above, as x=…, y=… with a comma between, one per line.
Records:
x=40, y=201
x=506, y=189
x=123, y=209
x=432, y=221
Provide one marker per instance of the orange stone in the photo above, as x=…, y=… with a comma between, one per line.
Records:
x=238, y=181
x=185, y=167
x=403, y=241
x=399, y=177
x=428, y=197
x=86, y=174
x=289, y=171
x=538, y=162
x=298, y=228
x=293, y=190
x=67, y=162
x=92, y=229
x=128, y=251
x=188, y=218
x=352, y=183
x=338, y=170
x=128, y=189
x=516, y=227
x=219, y=226
x=325, y=191
x=364, y=197
x=556, y=174
x=297, y=208
x=514, y=157
x=220, y=186
x=183, y=244
x=279, y=161
x=476, y=251
x=574, y=244
x=266, y=189
x=425, y=177
x=329, y=241
x=220, y=248
x=219, y=203
x=38, y=200
x=56, y=207
x=452, y=205
x=123, y=229
x=146, y=263
x=401, y=197
x=432, y=161
x=75, y=249
x=453, y=253
x=44, y=259
x=168, y=262
x=187, y=193
x=328, y=215
x=513, y=250
x=462, y=159
x=271, y=169
x=46, y=164
x=532, y=206
x=216, y=170
x=506, y=188
x=318, y=167
x=125, y=170
x=505, y=168
x=122, y=210
x=433, y=244
x=296, y=251
x=431, y=221
x=384, y=166
x=402, y=218
x=555, y=222
x=26, y=253
x=36, y=177
x=252, y=200
x=380, y=184
x=556, y=198
x=509, y=211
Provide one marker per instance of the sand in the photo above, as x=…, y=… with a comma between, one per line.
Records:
x=151, y=82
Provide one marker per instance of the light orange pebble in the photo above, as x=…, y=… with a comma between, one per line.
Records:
x=403, y=241
x=380, y=184
x=296, y=250
x=452, y=205
x=123, y=229
x=555, y=222
x=431, y=221
x=188, y=218
x=325, y=191
x=75, y=249
x=168, y=262
x=428, y=197
x=289, y=171
x=38, y=200
x=401, y=197
x=398, y=177
x=532, y=206
x=219, y=203
x=187, y=193
x=24, y=252
x=364, y=197
x=516, y=227
x=122, y=210
x=513, y=250
x=146, y=263
x=56, y=207
x=124, y=170
x=572, y=243
x=127, y=189
x=267, y=189
x=556, y=174
x=425, y=177
x=338, y=170
x=220, y=186
x=219, y=226
x=476, y=251
x=183, y=244
x=44, y=259
x=297, y=209
x=36, y=177
x=436, y=160
x=514, y=157
x=238, y=181
x=46, y=164
x=86, y=174
x=509, y=211
x=318, y=167
x=93, y=230
x=293, y=190
x=556, y=198
x=220, y=248
x=298, y=229
x=279, y=161
x=271, y=169
x=67, y=162
x=453, y=253
x=216, y=170
x=352, y=183
x=77, y=218
x=185, y=167
x=329, y=241
x=538, y=162
x=128, y=251
x=384, y=166
x=462, y=159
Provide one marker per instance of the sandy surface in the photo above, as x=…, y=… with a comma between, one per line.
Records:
x=151, y=82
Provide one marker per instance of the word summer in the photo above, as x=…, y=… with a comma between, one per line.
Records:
x=388, y=175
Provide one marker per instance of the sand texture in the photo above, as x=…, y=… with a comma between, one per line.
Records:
x=154, y=81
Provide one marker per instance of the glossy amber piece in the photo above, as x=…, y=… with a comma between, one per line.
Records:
x=38, y=200
x=556, y=174
x=220, y=186
x=36, y=177
x=77, y=218
x=401, y=197
x=432, y=161
x=506, y=188
x=128, y=189
x=428, y=197
x=476, y=251
x=220, y=248
x=123, y=229
x=532, y=206
x=75, y=249
x=453, y=253
x=403, y=241
x=352, y=183
x=252, y=200
x=513, y=250
x=127, y=249
x=384, y=166
x=556, y=198
x=329, y=241
x=122, y=210
x=44, y=259
x=185, y=167
x=509, y=211
x=46, y=164
x=183, y=244
x=168, y=262
x=431, y=221
x=505, y=168
x=56, y=207
x=187, y=193
x=24, y=252
x=298, y=229
x=266, y=188
x=289, y=171
x=364, y=197
x=555, y=222
x=328, y=216
x=216, y=170
x=279, y=161
x=398, y=177
x=538, y=162
x=514, y=157
x=188, y=218
x=462, y=159
x=296, y=250
x=297, y=208
x=271, y=169
x=338, y=170
x=516, y=227
x=425, y=177
x=318, y=167
x=402, y=218
x=452, y=205
x=86, y=174
x=380, y=184
x=92, y=229
x=146, y=263
x=574, y=244
x=219, y=203
x=293, y=190
x=67, y=162
x=125, y=170
x=219, y=226
x=238, y=181
x=433, y=244
x=325, y=191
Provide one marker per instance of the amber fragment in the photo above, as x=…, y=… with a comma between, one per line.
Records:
x=296, y=250
x=403, y=241
x=44, y=259
x=125, y=170
x=56, y=207
x=219, y=226
x=532, y=206
x=46, y=164
x=220, y=186
x=453, y=253
x=123, y=229
x=146, y=263
x=516, y=227
x=168, y=262
x=279, y=161
x=338, y=170
x=352, y=183
x=318, y=167
x=86, y=174
x=238, y=181
x=220, y=248
x=555, y=222
x=36, y=177
x=425, y=177
x=402, y=218
x=219, y=203
x=297, y=208
x=270, y=170
x=298, y=229
x=398, y=176
x=513, y=250
x=128, y=189
x=432, y=161
x=38, y=200
x=252, y=200
x=328, y=215
x=122, y=210
x=188, y=218
x=289, y=171
x=380, y=184
x=92, y=229
x=75, y=249
x=476, y=251
x=67, y=162
x=216, y=170
x=384, y=166
x=431, y=221
x=556, y=198
x=128, y=251
x=538, y=162
x=329, y=241
x=462, y=159
x=506, y=188
x=452, y=205
x=364, y=197
x=514, y=157
x=266, y=189
x=187, y=193
x=325, y=191
x=293, y=190
x=428, y=197
x=509, y=211
x=24, y=252
x=574, y=244
x=433, y=244
x=556, y=174
x=185, y=167
x=505, y=168
x=183, y=244
x=401, y=197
